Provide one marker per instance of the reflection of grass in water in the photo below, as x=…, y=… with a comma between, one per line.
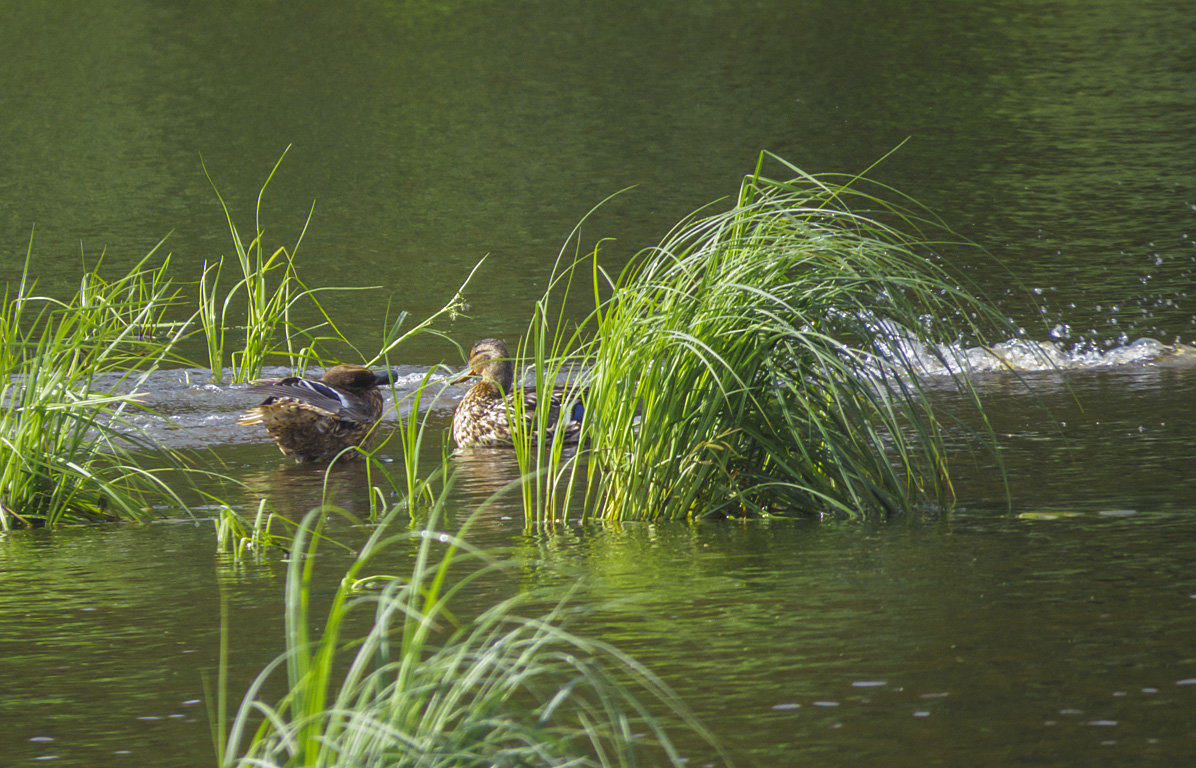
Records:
x=752, y=362
x=427, y=686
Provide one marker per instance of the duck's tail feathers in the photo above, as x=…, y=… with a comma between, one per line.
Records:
x=250, y=417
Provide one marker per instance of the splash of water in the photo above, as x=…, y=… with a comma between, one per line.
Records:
x=898, y=347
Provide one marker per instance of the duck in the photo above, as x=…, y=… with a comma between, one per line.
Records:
x=480, y=419
x=314, y=420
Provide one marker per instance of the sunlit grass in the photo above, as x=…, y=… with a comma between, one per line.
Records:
x=263, y=299
x=71, y=371
x=411, y=432
x=242, y=538
x=554, y=354
x=430, y=681
x=758, y=361
x=755, y=362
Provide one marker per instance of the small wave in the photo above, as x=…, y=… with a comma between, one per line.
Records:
x=1024, y=355
x=896, y=347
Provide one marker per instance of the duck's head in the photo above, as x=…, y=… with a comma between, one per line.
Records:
x=354, y=377
x=490, y=360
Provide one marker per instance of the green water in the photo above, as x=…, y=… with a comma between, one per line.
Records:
x=1046, y=621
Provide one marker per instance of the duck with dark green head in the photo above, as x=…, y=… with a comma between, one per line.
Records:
x=317, y=419
x=481, y=416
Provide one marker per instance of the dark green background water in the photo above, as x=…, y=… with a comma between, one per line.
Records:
x=1051, y=629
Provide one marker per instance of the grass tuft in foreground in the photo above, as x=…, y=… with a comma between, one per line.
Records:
x=429, y=686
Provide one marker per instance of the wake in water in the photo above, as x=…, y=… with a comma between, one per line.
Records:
x=900, y=347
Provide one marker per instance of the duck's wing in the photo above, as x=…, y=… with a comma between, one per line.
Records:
x=307, y=393
x=566, y=409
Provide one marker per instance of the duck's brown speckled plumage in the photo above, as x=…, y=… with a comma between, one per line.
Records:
x=314, y=420
x=481, y=416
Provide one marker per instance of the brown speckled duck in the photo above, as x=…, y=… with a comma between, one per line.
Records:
x=314, y=420
x=481, y=416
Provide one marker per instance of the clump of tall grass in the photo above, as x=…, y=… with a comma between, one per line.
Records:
x=428, y=686
x=418, y=488
x=264, y=299
x=758, y=361
x=240, y=537
x=69, y=373
x=269, y=290
x=556, y=356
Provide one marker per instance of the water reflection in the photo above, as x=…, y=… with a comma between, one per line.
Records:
x=1116, y=438
x=976, y=634
x=482, y=473
x=298, y=488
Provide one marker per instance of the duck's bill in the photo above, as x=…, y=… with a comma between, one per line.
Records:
x=385, y=378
